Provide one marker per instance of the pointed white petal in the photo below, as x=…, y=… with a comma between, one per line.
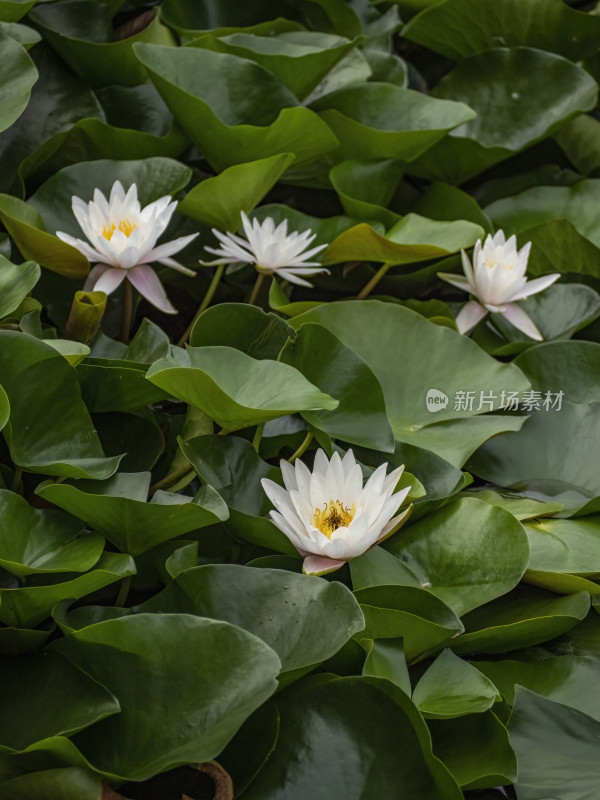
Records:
x=469, y=315
x=110, y=280
x=146, y=282
x=535, y=286
x=517, y=317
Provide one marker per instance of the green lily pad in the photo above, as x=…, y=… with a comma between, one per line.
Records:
x=300, y=59
x=248, y=114
x=346, y=721
x=27, y=606
x=522, y=508
x=14, y=10
x=380, y=120
x=503, y=87
x=116, y=385
x=539, y=205
x=476, y=750
x=223, y=17
x=26, y=228
x=70, y=783
x=45, y=695
x=563, y=679
x=569, y=546
x=360, y=417
x=461, y=28
x=305, y=621
x=247, y=328
x=540, y=458
x=79, y=31
x=523, y=618
x=17, y=76
x=16, y=641
x=366, y=187
x=410, y=240
x=386, y=659
x=466, y=553
x=16, y=281
x=452, y=687
x=235, y=390
x=218, y=201
x=117, y=508
x=433, y=357
x=233, y=467
x=37, y=379
x=409, y=612
x=42, y=541
x=569, y=741
x=155, y=177
x=156, y=731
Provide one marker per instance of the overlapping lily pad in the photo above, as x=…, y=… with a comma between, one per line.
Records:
x=235, y=390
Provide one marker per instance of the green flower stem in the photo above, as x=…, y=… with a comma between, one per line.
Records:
x=303, y=447
x=210, y=293
x=258, y=436
x=171, y=478
x=126, y=312
x=256, y=288
x=16, y=479
x=123, y=592
x=368, y=288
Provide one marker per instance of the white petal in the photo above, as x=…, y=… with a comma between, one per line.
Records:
x=460, y=281
x=169, y=248
x=110, y=280
x=535, y=286
x=148, y=285
x=517, y=317
x=469, y=315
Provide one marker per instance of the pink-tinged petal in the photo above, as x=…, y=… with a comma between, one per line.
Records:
x=517, y=317
x=169, y=248
x=460, y=281
x=93, y=276
x=146, y=282
x=110, y=280
x=316, y=565
x=535, y=286
x=469, y=315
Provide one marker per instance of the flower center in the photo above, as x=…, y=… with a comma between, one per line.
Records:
x=125, y=226
x=332, y=517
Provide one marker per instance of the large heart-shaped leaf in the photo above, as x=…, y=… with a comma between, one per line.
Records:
x=557, y=749
x=504, y=87
x=360, y=417
x=50, y=430
x=17, y=76
x=225, y=674
x=235, y=390
x=245, y=115
x=467, y=553
x=27, y=606
x=433, y=358
x=79, y=31
x=305, y=621
x=462, y=28
x=40, y=541
x=45, y=695
x=247, y=328
x=335, y=736
x=380, y=120
x=118, y=509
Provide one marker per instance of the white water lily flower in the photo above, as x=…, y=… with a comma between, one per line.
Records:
x=271, y=249
x=328, y=515
x=497, y=279
x=122, y=242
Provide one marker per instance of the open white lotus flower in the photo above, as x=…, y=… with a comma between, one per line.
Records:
x=497, y=279
x=271, y=249
x=328, y=515
x=122, y=242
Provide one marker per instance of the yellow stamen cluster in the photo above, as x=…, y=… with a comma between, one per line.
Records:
x=333, y=516
x=125, y=226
